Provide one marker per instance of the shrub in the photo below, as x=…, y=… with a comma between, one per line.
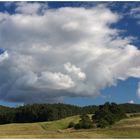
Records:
x=84, y=123
x=102, y=123
x=71, y=124
x=77, y=126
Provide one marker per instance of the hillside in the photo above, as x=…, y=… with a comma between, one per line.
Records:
x=126, y=128
x=59, y=124
x=50, y=112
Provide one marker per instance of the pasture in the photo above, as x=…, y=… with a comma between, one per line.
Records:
x=126, y=128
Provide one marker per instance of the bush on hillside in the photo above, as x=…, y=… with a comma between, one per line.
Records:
x=108, y=114
x=102, y=123
x=84, y=123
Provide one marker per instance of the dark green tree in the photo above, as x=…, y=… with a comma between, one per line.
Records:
x=108, y=114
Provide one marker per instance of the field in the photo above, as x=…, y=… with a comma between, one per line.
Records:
x=126, y=128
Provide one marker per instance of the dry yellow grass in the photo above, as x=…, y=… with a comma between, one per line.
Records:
x=127, y=128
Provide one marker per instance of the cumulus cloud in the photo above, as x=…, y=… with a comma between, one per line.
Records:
x=30, y=8
x=62, y=52
x=55, y=80
x=75, y=71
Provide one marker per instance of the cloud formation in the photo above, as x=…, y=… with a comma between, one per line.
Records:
x=30, y=8
x=62, y=52
x=135, y=13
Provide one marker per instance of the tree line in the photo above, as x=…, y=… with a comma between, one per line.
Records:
x=50, y=112
x=41, y=112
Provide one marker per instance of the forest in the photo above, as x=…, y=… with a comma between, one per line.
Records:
x=49, y=112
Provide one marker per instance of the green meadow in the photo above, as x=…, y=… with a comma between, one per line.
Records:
x=126, y=128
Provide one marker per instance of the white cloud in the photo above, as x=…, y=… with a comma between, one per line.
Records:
x=30, y=8
x=134, y=72
x=131, y=102
x=75, y=70
x=55, y=80
x=63, y=52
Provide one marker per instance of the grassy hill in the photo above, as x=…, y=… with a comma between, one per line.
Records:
x=59, y=124
x=126, y=128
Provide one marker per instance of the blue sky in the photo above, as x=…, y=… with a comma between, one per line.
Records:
x=128, y=24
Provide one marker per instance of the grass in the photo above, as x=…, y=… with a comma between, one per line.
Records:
x=59, y=124
x=133, y=122
x=126, y=128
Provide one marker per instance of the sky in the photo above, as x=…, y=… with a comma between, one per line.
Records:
x=80, y=53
